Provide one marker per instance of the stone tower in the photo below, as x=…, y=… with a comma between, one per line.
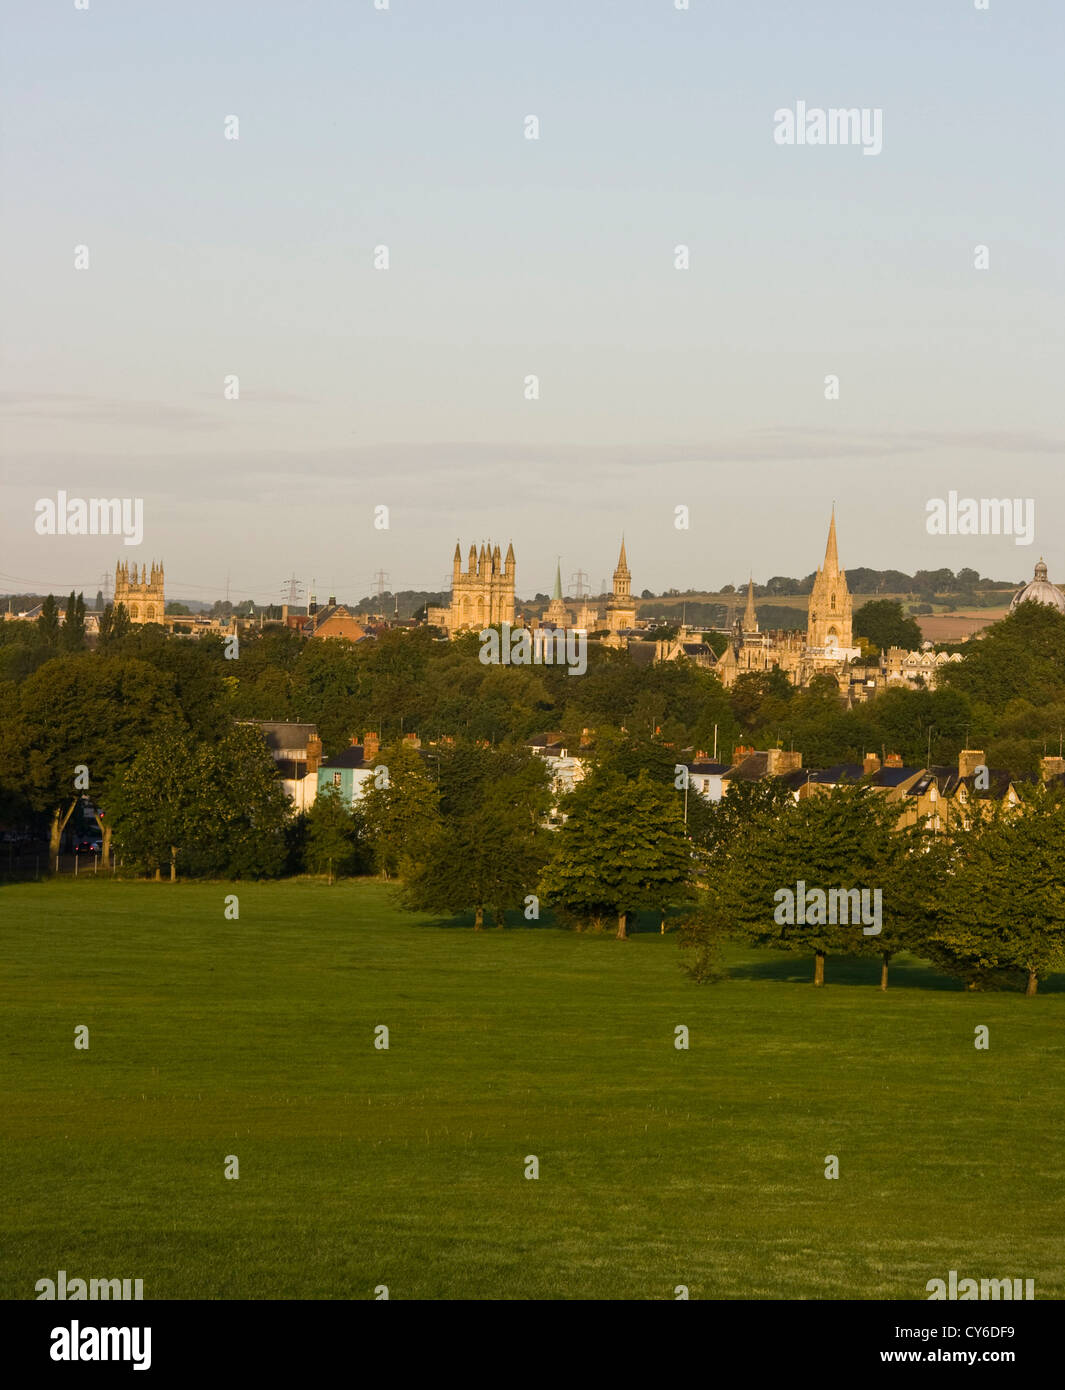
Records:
x=483, y=593
x=142, y=598
x=829, y=623
x=621, y=611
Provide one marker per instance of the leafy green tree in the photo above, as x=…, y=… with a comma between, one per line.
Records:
x=1021, y=657
x=885, y=624
x=622, y=848
x=401, y=813
x=1002, y=908
x=221, y=808
x=843, y=840
x=72, y=633
x=81, y=711
x=488, y=859
x=332, y=835
x=153, y=803
x=115, y=625
x=48, y=621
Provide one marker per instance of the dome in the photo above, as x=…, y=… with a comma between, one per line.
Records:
x=1040, y=590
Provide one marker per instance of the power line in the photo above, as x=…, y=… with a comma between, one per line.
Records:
x=292, y=590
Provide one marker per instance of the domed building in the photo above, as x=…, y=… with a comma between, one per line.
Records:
x=1040, y=590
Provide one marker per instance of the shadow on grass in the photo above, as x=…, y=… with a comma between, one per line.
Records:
x=905, y=972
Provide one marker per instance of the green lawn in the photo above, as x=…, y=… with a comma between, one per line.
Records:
x=361, y=1167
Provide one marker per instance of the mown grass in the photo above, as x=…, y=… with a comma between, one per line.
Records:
x=361, y=1167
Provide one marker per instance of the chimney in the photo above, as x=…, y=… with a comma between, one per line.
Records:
x=1051, y=767
x=870, y=764
x=893, y=760
x=370, y=746
x=332, y=600
x=586, y=737
x=969, y=759
x=314, y=753
x=740, y=752
x=412, y=740
x=700, y=756
x=780, y=760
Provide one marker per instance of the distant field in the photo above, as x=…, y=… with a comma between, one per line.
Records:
x=360, y=1167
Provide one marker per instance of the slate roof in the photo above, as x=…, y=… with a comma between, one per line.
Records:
x=279, y=734
x=750, y=768
x=352, y=756
x=893, y=776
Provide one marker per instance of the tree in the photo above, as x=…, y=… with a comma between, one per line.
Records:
x=48, y=621
x=152, y=807
x=622, y=847
x=781, y=881
x=401, y=811
x=81, y=712
x=114, y=625
x=217, y=807
x=884, y=623
x=1003, y=907
x=72, y=633
x=487, y=860
x=332, y=835
x=488, y=847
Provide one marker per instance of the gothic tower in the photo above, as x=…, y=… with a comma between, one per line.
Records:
x=142, y=598
x=829, y=622
x=484, y=594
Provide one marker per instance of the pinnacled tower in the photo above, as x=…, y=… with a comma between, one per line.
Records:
x=621, y=611
x=484, y=593
x=829, y=622
x=143, y=598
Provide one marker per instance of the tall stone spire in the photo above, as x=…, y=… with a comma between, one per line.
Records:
x=622, y=577
x=558, y=582
x=750, y=617
x=831, y=565
x=828, y=626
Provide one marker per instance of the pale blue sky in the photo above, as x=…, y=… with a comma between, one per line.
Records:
x=509, y=257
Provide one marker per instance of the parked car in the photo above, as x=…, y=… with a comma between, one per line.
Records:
x=88, y=844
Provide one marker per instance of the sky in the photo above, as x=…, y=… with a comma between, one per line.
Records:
x=704, y=388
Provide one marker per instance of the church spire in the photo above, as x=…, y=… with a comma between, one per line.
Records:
x=750, y=617
x=831, y=565
x=558, y=582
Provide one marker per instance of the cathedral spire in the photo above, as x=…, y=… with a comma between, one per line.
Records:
x=750, y=617
x=831, y=565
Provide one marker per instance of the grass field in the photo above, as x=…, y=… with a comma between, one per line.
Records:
x=405, y=1167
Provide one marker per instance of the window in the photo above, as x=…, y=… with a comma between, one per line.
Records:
x=336, y=779
x=133, y=611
